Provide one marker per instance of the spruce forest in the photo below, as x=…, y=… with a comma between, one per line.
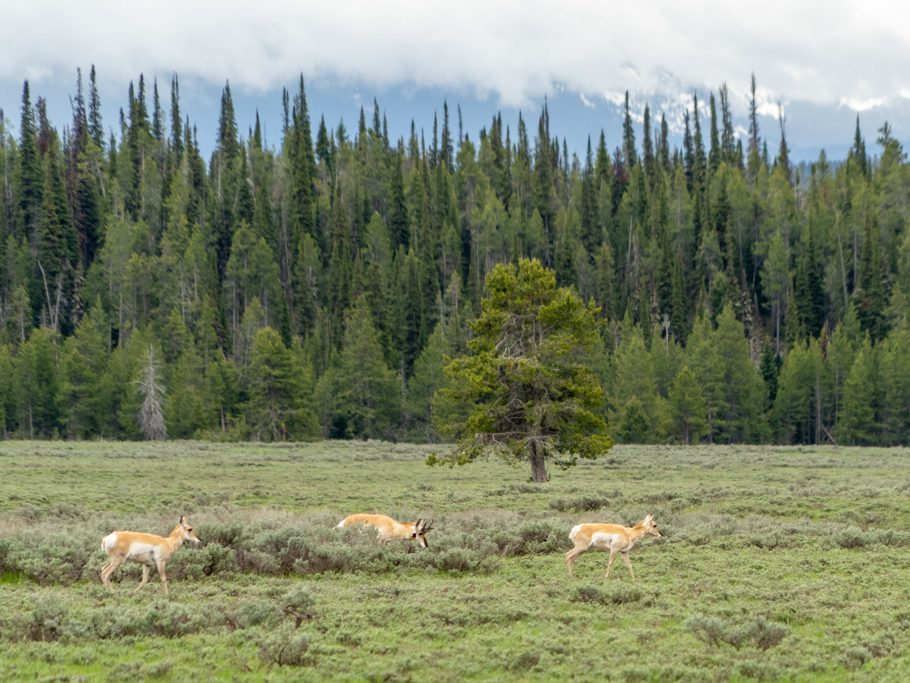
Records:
x=318, y=289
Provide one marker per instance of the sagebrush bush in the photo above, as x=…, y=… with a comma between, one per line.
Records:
x=715, y=631
x=47, y=619
x=766, y=633
x=251, y=612
x=854, y=657
x=590, y=594
x=851, y=537
x=284, y=646
x=298, y=605
x=607, y=596
x=762, y=633
x=580, y=504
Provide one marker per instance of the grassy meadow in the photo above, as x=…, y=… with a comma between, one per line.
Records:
x=777, y=564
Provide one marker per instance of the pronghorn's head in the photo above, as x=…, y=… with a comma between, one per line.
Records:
x=650, y=525
x=186, y=531
x=419, y=534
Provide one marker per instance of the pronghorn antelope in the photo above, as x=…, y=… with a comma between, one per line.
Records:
x=147, y=549
x=613, y=537
x=387, y=529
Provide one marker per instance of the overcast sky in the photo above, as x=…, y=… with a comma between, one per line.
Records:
x=827, y=51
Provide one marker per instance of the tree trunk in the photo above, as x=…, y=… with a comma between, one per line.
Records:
x=538, y=464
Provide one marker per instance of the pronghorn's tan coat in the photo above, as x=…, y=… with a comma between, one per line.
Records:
x=147, y=549
x=613, y=537
x=387, y=529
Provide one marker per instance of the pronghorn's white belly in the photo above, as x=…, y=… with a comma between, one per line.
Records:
x=605, y=540
x=146, y=553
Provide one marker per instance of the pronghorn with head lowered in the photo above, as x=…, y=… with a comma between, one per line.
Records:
x=387, y=529
x=147, y=549
x=613, y=537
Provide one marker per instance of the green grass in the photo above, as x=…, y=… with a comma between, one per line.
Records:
x=777, y=564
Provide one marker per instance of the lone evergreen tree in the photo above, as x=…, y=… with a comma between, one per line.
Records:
x=529, y=394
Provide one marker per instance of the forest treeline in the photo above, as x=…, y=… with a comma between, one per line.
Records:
x=317, y=289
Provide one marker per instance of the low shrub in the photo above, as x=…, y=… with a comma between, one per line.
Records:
x=590, y=594
x=607, y=596
x=581, y=504
x=251, y=612
x=766, y=633
x=46, y=621
x=851, y=537
x=762, y=633
x=465, y=559
x=854, y=657
x=298, y=605
x=285, y=646
x=714, y=631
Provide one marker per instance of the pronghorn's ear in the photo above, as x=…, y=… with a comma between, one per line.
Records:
x=182, y=520
x=418, y=523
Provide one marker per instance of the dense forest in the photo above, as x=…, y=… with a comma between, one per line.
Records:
x=317, y=289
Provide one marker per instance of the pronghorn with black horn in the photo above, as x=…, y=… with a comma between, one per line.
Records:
x=613, y=537
x=387, y=529
x=147, y=549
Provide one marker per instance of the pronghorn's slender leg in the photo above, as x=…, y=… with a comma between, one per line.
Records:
x=163, y=577
x=146, y=570
x=610, y=563
x=625, y=557
x=570, y=558
x=109, y=569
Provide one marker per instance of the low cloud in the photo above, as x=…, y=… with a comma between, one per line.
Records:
x=512, y=50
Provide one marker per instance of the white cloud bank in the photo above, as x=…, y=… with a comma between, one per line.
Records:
x=818, y=51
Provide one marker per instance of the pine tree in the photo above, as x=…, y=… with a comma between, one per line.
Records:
x=527, y=389
x=185, y=404
x=228, y=174
x=801, y=393
x=95, y=127
x=783, y=153
x=648, y=158
x=857, y=155
x=687, y=407
x=629, y=152
x=36, y=382
x=398, y=210
x=895, y=376
x=638, y=412
x=859, y=419
x=733, y=389
x=177, y=131
x=31, y=178
x=57, y=249
x=754, y=140
x=368, y=392
x=83, y=364
x=715, y=151
x=427, y=378
x=727, y=137
x=278, y=386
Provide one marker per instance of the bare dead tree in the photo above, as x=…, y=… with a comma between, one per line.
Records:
x=151, y=415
